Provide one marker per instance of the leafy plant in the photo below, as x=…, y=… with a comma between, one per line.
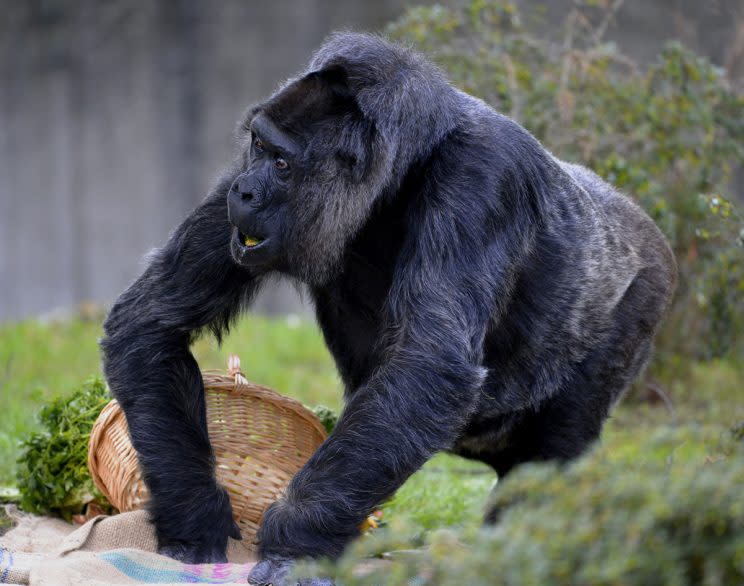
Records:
x=608, y=519
x=53, y=474
x=328, y=417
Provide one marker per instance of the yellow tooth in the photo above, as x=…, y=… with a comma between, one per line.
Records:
x=250, y=241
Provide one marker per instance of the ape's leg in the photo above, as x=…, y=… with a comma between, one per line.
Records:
x=562, y=429
x=565, y=425
x=190, y=284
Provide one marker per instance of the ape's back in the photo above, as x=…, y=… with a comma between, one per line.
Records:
x=636, y=228
x=577, y=329
x=593, y=250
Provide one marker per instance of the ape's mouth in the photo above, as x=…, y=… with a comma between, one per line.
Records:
x=250, y=249
x=249, y=241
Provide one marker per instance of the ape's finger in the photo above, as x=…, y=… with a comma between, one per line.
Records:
x=274, y=572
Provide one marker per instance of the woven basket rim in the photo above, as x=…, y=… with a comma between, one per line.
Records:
x=214, y=380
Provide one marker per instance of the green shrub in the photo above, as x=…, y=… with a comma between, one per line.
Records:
x=53, y=473
x=668, y=135
x=605, y=520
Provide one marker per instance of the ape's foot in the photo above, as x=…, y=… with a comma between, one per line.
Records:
x=276, y=572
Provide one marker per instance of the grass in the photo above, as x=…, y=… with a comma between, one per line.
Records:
x=41, y=360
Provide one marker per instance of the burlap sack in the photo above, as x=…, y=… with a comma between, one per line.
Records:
x=111, y=550
x=15, y=567
x=133, y=531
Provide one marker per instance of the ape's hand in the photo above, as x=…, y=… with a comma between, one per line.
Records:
x=276, y=571
x=206, y=547
x=203, y=539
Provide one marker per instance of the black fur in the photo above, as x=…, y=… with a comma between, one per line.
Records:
x=478, y=295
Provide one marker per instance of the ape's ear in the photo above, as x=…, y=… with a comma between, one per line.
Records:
x=336, y=79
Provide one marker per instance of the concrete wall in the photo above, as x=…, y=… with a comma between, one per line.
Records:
x=116, y=115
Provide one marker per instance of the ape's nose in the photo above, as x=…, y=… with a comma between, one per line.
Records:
x=243, y=201
x=243, y=188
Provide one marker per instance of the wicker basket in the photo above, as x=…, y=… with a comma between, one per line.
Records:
x=260, y=439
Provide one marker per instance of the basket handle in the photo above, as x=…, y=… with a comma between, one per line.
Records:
x=233, y=370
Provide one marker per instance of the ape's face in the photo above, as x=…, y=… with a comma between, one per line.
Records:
x=257, y=201
x=311, y=175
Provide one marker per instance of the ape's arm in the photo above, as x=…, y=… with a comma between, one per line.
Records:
x=412, y=407
x=190, y=284
x=454, y=269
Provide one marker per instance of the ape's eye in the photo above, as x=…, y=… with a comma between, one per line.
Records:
x=281, y=163
x=258, y=144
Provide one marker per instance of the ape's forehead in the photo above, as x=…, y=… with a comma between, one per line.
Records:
x=263, y=126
